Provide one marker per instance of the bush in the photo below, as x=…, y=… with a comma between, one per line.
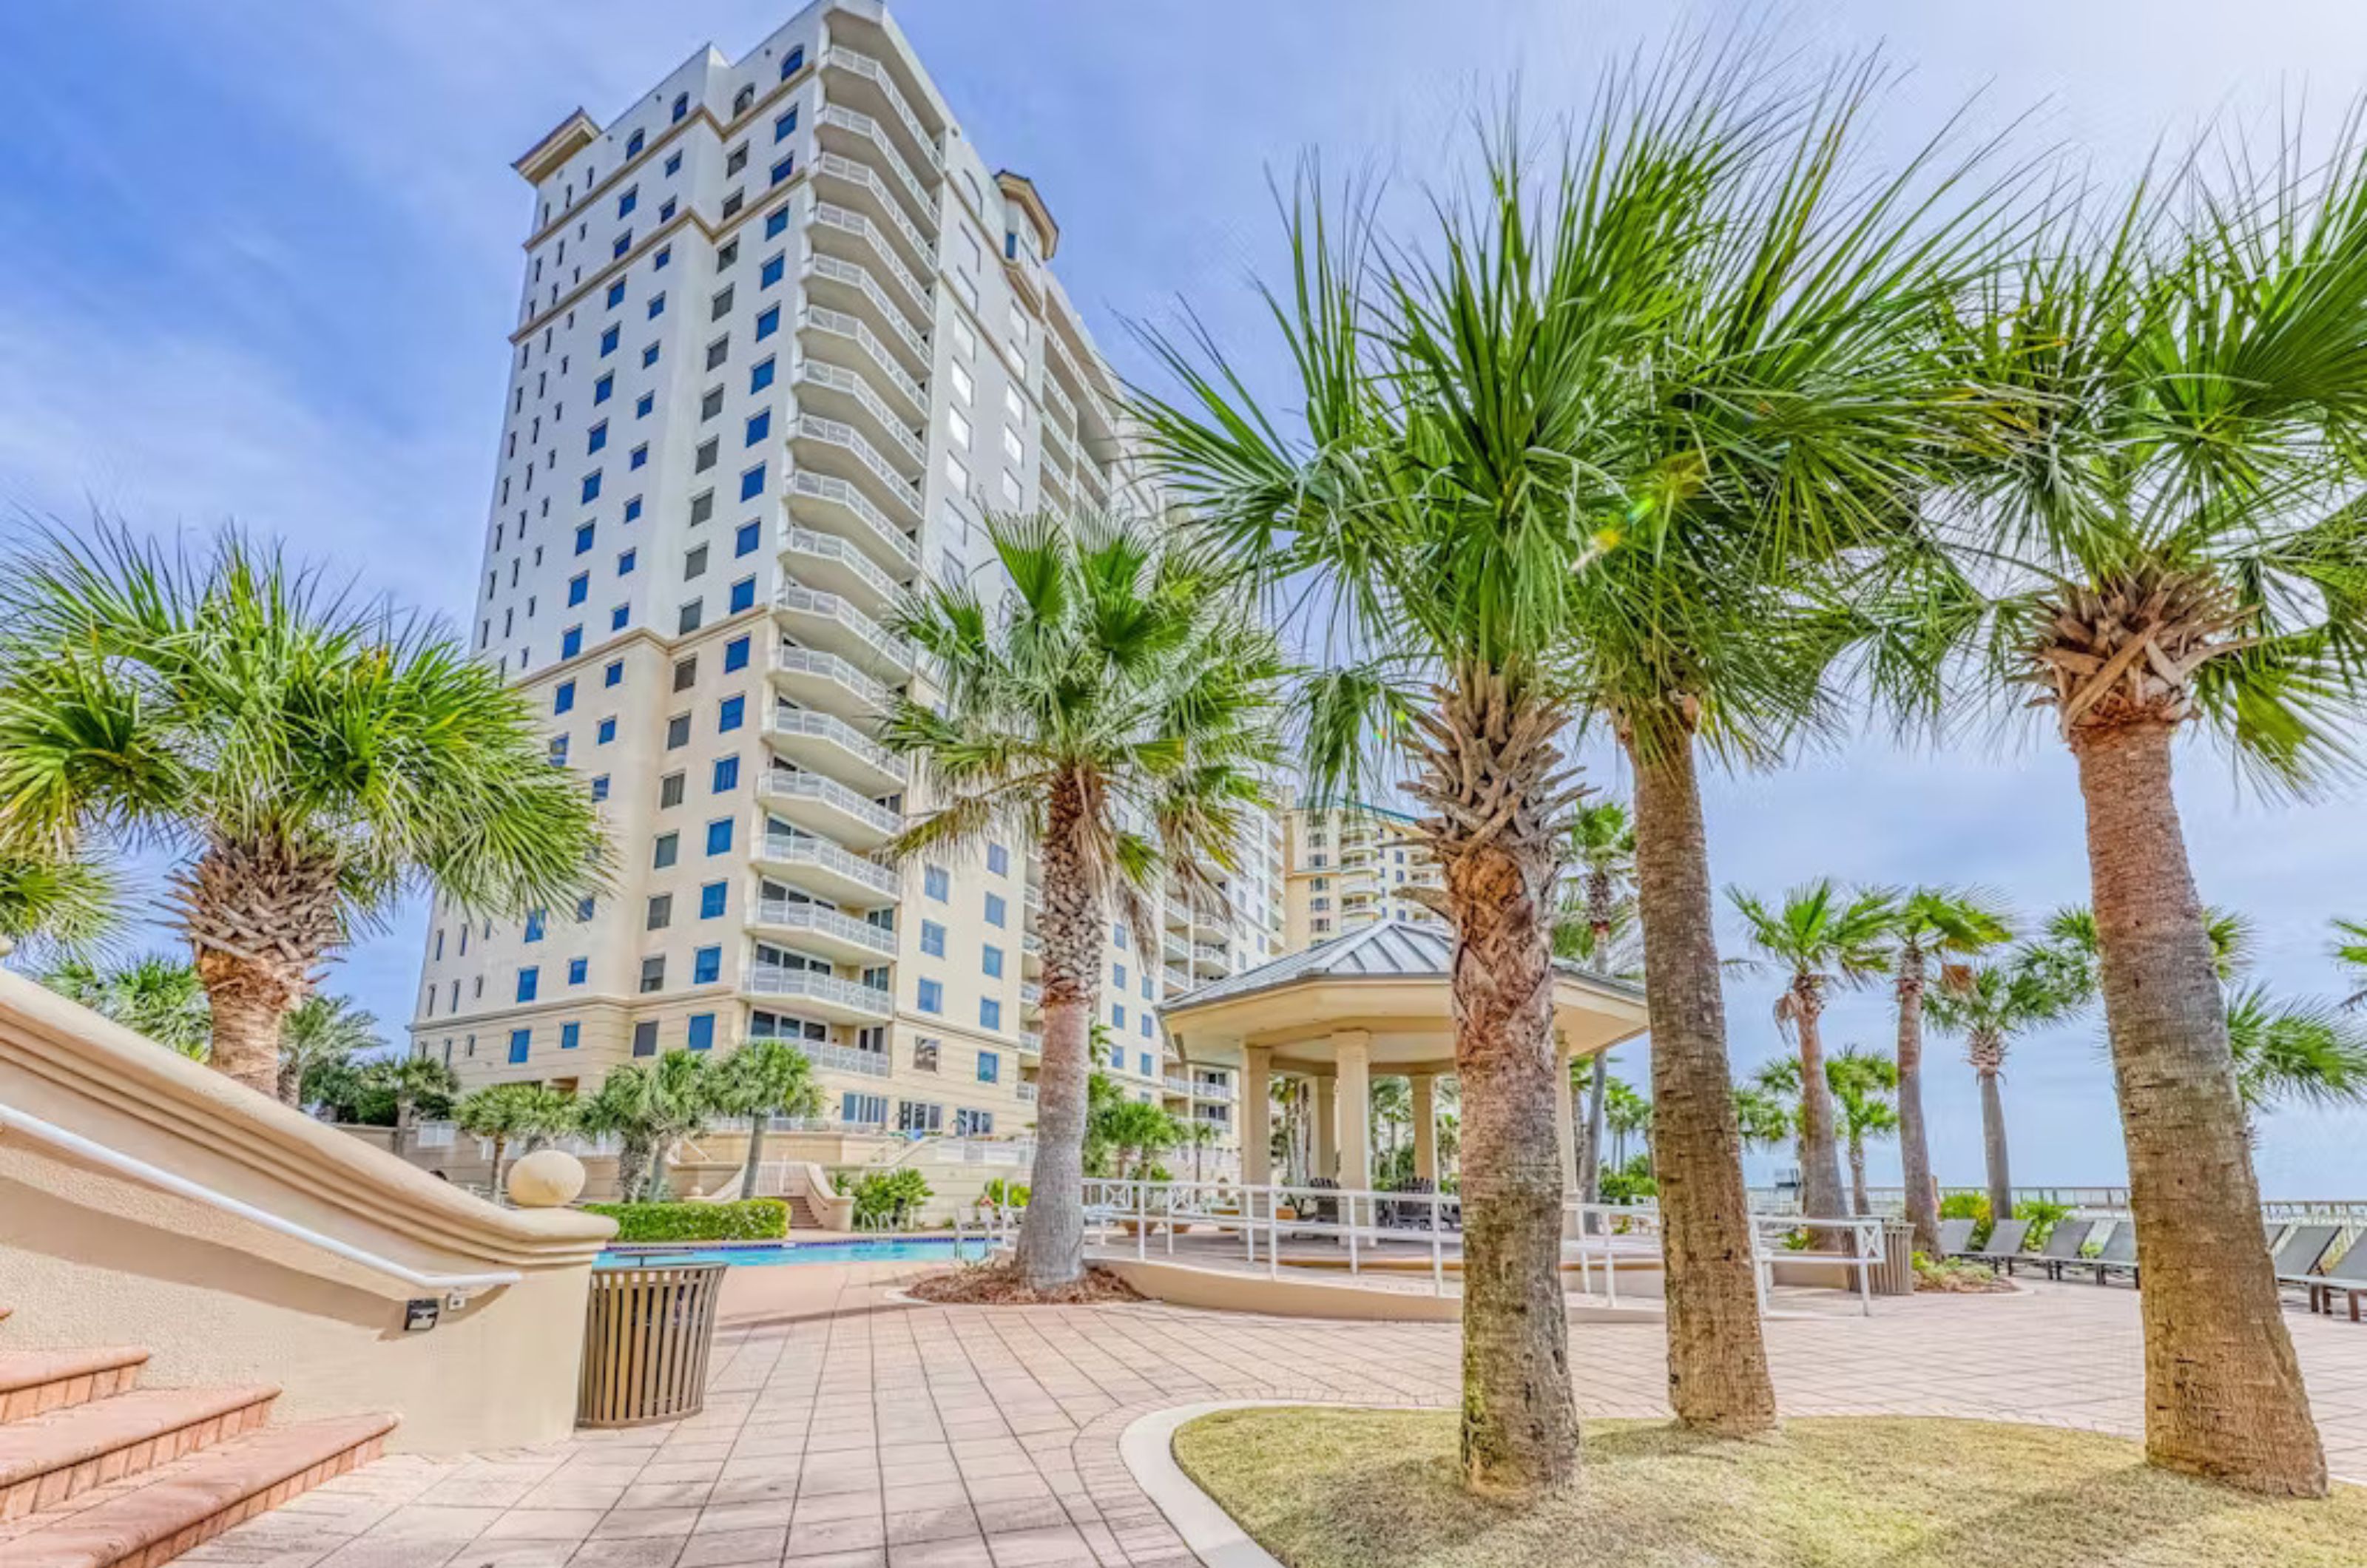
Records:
x=887, y=1196
x=752, y=1218
x=1628, y=1186
x=1972, y=1206
x=1007, y=1194
x=2042, y=1216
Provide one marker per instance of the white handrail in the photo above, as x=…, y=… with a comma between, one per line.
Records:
x=12, y=1118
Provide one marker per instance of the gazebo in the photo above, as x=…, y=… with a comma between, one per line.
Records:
x=1374, y=1001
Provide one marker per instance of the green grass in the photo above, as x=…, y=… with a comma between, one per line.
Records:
x=1378, y=1489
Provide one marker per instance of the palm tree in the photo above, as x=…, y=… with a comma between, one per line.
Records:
x=1951, y=925
x=532, y=1112
x=1602, y=850
x=2285, y=1052
x=1817, y=938
x=309, y=760
x=69, y=904
x=1115, y=711
x=2350, y=952
x=647, y=1107
x=154, y=995
x=1989, y=1004
x=320, y=1033
x=763, y=1079
x=1862, y=1084
x=1629, y=1114
x=1768, y=1115
x=418, y=1085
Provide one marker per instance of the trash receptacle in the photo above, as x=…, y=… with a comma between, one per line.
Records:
x=646, y=1339
x=1895, y=1275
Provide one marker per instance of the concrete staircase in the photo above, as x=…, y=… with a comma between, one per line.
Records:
x=96, y=1471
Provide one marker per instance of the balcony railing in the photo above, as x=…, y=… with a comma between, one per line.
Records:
x=838, y=732
x=845, y=1058
x=829, y=792
x=838, y=493
x=788, y=849
x=840, y=58
x=846, y=220
x=837, y=551
x=798, y=600
x=778, y=980
x=846, y=383
x=857, y=276
x=838, y=433
x=1031, y=1040
x=790, y=660
x=1030, y=994
x=1027, y=1093
x=837, y=117
x=789, y=914
x=862, y=176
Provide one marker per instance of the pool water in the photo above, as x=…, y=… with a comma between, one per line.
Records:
x=886, y=1249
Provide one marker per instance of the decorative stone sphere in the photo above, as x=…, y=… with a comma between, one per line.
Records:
x=547, y=1179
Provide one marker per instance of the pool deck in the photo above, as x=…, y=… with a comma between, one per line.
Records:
x=847, y=1429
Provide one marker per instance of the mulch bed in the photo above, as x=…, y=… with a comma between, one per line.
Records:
x=999, y=1284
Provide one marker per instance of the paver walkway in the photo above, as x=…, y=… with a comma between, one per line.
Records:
x=848, y=1431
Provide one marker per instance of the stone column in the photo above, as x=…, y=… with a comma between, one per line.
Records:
x=1257, y=1115
x=1426, y=1126
x=1352, y=1051
x=1565, y=1128
x=1327, y=1128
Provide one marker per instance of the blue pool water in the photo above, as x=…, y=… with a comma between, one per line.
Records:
x=891, y=1249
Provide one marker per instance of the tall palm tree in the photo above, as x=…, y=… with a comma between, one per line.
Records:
x=320, y=1033
x=508, y=1112
x=1817, y=938
x=647, y=1107
x=1950, y=925
x=2161, y=534
x=2293, y=1051
x=762, y=1080
x=2350, y=951
x=1989, y=1004
x=70, y=904
x=1862, y=1084
x=1603, y=850
x=1628, y=1114
x=1116, y=712
x=419, y=1086
x=154, y=994
x=310, y=759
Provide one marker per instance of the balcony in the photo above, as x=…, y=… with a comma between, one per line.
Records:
x=826, y=683
x=845, y=1059
x=1210, y=960
x=1178, y=980
x=835, y=447
x=837, y=288
x=827, y=807
x=851, y=236
x=1031, y=1043
x=864, y=85
x=1175, y=947
x=826, y=870
x=1027, y=1092
x=837, y=506
x=830, y=563
x=1031, y=995
x=831, y=624
x=821, y=743
x=820, y=996
x=825, y=932
x=859, y=188
x=844, y=131
x=836, y=392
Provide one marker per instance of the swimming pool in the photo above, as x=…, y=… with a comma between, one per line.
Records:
x=766, y=1254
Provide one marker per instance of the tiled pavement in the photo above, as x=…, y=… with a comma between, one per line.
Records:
x=843, y=1431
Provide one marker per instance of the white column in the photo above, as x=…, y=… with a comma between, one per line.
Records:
x=1564, y=1126
x=1257, y=1115
x=1352, y=1051
x=1426, y=1126
x=1327, y=1128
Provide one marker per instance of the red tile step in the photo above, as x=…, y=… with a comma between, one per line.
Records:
x=146, y=1525
x=34, y=1382
x=44, y=1459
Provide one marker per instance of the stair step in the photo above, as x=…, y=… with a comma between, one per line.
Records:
x=34, y=1382
x=48, y=1459
x=144, y=1525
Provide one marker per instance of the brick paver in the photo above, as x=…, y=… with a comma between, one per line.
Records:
x=845, y=1430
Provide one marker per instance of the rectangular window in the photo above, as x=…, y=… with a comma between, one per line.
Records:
x=932, y=997
x=936, y=882
x=564, y=700
x=783, y=169
x=653, y=975
x=751, y=483
x=1146, y=1031
x=998, y=860
x=648, y=356
x=616, y=294
x=768, y=324
x=639, y=459
x=521, y=1041
x=665, y=850
x=989, y=1013
x=597, y=439
x=677, y=732
x=933, y=939
x=761, y=376
x=571, y=1036
x=607, y=732
x=626, y=561
x=624, y=243
x=991, y=960
x=730, y=715
x=591, y=486
x=670, y=789
x=584, y=534
x=783, y=125
x=645, y=1038
x=620, y=617
x=705, y=965
x=1117, y=975
x=744, y=596
x=1142, y=1063
x=748, y=536
x=701, y=1034
x=726, y=775
x=579, y=588
x=659, y=914
x=990, y=1067
x=719, y=837
x=686, y=619
x=535, y=919
x=645, y=405
x=760, y=426
x=526, y=980
x=603, y=388
x=997, y=912
x=772, y=271
x=600, y=787
x=735, y=655
x=571, y=642
x=608, y=342
x=775, y=223
x=657, y=306
x=578, y=971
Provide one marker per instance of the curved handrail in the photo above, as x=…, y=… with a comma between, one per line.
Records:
x=14, y=1119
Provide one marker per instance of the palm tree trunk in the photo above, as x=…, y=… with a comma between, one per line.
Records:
x=245, y=1026
x=399, y=1139
x=1860, y=1204
x=291, y=1082
x=1914, y=1145
x=1820, y=1164
x=501, y=1147
x=632, y=1163
x=755, y=1155
x=653, y=1185
x=1717, y=1358
x=2224, y=1394
x=1993, y=1147
x=1589, y=1163
x=1051, y=1249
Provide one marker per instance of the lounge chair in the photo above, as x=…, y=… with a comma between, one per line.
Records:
x=1955, y=1236
x=2345, y=1277
x=2003, y=1245
x=2118, y=1254
x=2298, y=1255
x=2063, y=1245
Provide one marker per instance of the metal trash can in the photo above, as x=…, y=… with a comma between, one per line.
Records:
x=1895, y=1275
x=646, y=1339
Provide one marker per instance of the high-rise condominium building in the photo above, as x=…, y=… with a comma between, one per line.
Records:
x=784, y=336
x=1349, y=865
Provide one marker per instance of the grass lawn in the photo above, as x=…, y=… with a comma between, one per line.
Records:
x=1378, y=1489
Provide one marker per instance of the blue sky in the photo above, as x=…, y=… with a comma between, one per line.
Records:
x=256, y=261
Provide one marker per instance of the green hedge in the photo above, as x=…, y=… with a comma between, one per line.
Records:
x=753, y=1219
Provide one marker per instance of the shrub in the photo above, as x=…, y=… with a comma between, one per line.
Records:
x=752, y=1218
x=1972, y=1206
x=2042, y=1216
x=887, y=1196
x=1008, y=1194
x=1628, y=1186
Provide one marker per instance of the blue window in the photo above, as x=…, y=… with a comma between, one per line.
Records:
x=584, y=534
x=571, y=1036
x=578, y=971
x=681, y=105
x=711, y=900
x=624, y=243
x=933, y=939
x=760, y=426
x=608, y=341
x=1118, y=935
x=768, y=324
x=616, y=294
x=775, y=222
x=600, y=787
x=535, y=919
x=719, y=837
x=592, y=486
x=639, y=459
x=564, y=700
x=597, y=439
x=578, y=586
x=603, y=388
x=521, y=1041
x=1142, y=1063
x=559, y=751
x=583, y=907
x=1146, y=1031
x=657, y=306
x=633, y=507
x=702, y=1031
x=705, y=965
x=996, y=910
x=726, y=775
x=793, y=61
x=751, y=483
x=770, y=273
x=528, y=979
x=998, y=860
x=665, y=210
x=743, y=594
x=932, y=997
x=936, y=882
x=673, y=166
x=571, y=642
x=761, y=376
x=783, y=169
x=620, y=617
x=1117, y=975
x=644, y=405
x=1117, y=1057
x=730, y=715
x=735, y=655
x=990, y=1067
x=991, y=960
x=784, y=125
x=626, y=561
x=666, y=253
x=1118, y=1014
x=648, y=356
x=607, y=733
x=635, y=143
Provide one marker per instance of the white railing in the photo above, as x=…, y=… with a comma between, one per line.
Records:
x=836, y=731
x=838, y=433
x=822, y=318
x=1031, y=1040
x=1027, y=1092
x=840, y=117
x=788, y=914
x=846, y=1059
x=790, y=660
x=846, y=383
x=862, y=176
x=786, y=848
x=1030, y=994
x=838, y=57
x=799, y=600
x=833, y=793
x=779, y=980
x=838, y=493
x=846, y=220
x=831, y=548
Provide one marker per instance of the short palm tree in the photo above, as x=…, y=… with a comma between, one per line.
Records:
x=762, y=1080
x=2350, y=951
x=1602, y=852
x=154, y=994
x=515, y=1112
x=310, y=759
x=68, y=903
x=320, y=1033
x=419, y=1086
x=1817, y=938
x=647, y=1107
x=1990, y=1004
x=1951, y=925
x=1629, y=1115
x=1862, y=1085
x=1114, y=711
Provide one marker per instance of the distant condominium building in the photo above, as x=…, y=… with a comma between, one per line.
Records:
x=1349, y=865
x=785, y=337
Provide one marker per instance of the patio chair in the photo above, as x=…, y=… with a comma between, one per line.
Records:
x=1412, y=1216
x=2003, y=1245
x=2063, y=1245
x=1955, y=1236
x=2298, y=1255
x=2118, y=1254
x=2345, y=1277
